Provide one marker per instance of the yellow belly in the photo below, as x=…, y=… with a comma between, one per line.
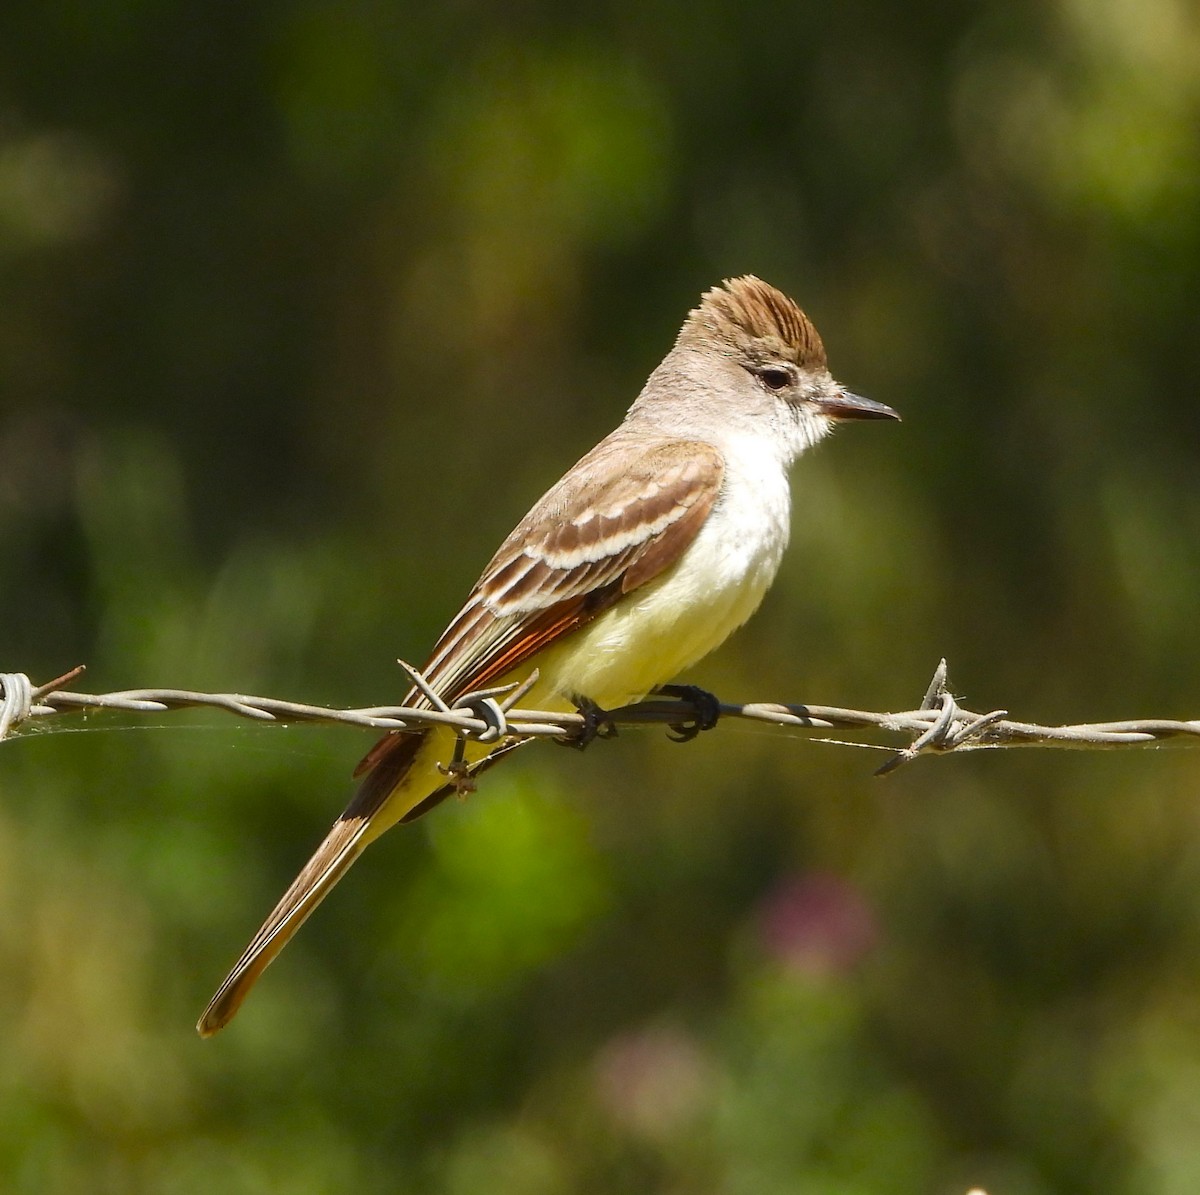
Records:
x=646, y=639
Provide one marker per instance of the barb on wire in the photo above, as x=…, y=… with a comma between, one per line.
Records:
x=938, y=726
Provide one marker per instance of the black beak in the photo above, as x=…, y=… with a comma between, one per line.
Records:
x=844, y=405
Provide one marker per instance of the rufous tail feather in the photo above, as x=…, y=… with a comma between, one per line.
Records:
x=331, y=860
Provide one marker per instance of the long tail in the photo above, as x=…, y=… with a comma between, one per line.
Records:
x=331, y=860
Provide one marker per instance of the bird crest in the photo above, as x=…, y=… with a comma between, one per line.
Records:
x=754, y=317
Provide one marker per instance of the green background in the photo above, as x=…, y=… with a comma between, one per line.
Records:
x=303, y=303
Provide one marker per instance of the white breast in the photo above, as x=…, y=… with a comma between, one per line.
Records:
x=659, y=630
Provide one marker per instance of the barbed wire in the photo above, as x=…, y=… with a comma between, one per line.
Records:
x=938, y=726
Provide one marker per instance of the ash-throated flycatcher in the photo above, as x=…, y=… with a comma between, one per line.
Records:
x=642, y=559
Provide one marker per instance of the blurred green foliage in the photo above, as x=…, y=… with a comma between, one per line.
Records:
x=302, y=304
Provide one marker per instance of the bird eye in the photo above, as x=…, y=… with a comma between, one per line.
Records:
x=775, y=377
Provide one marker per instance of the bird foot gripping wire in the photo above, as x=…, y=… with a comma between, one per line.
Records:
x=949, y=731
x=706, y=705
x=596, y=725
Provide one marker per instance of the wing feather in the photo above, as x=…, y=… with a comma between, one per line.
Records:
x=621, y=517
x=585, y=543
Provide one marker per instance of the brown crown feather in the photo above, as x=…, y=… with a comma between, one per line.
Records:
x=752, y=316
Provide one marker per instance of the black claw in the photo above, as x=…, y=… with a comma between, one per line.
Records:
x=706, y=705
x=596, y=725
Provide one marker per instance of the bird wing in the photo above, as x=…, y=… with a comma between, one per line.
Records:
x=623, y=515
x=618, y=519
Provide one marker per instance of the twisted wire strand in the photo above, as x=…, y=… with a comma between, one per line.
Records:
x=938, y=726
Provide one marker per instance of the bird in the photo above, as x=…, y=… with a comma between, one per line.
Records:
x=639, y=561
